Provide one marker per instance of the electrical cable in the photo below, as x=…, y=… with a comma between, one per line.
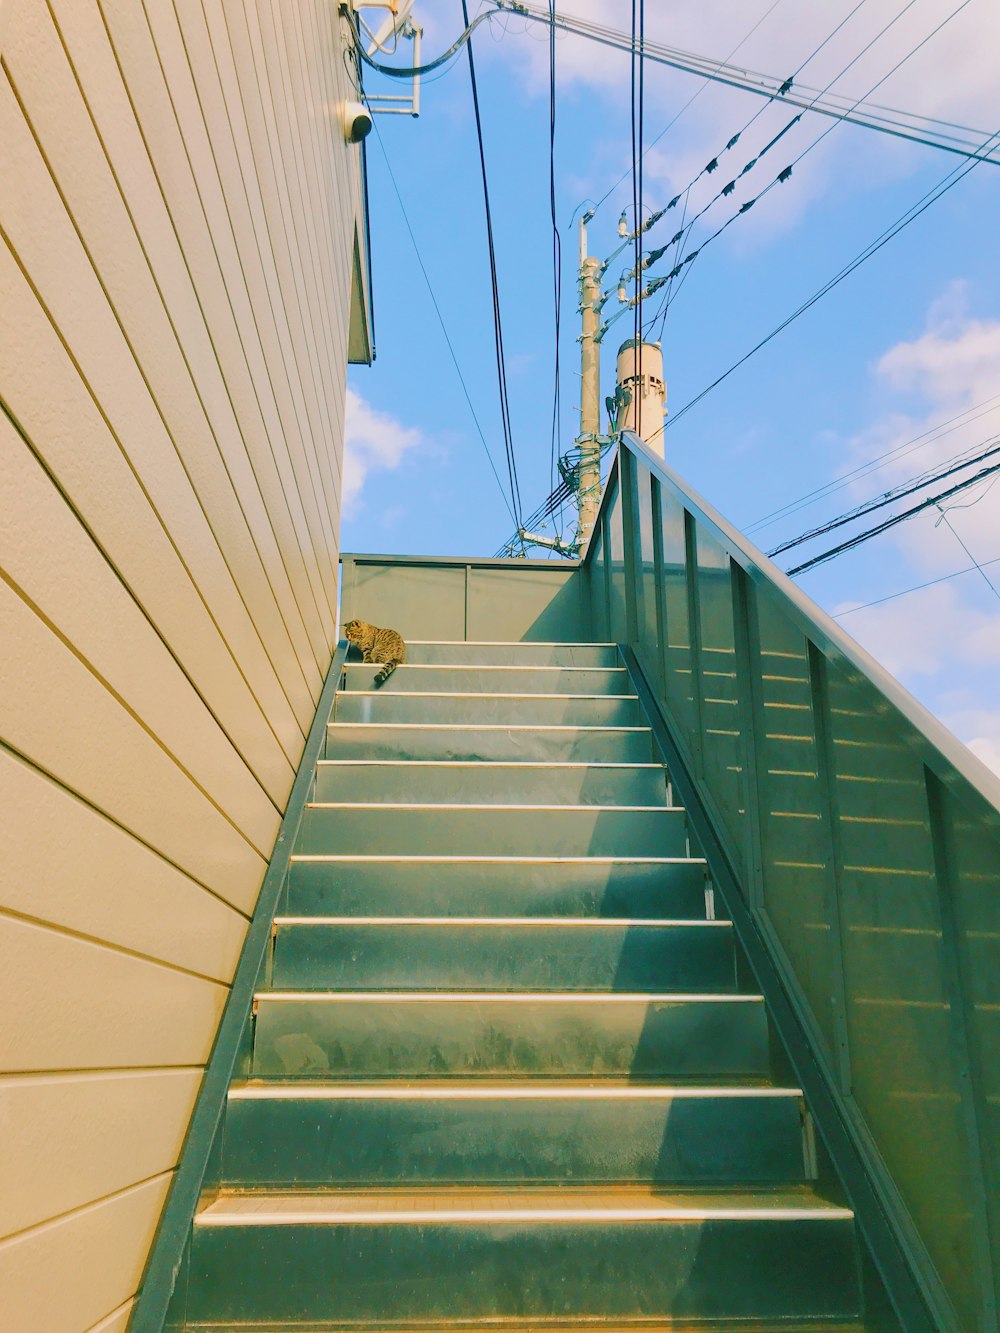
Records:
x=889, y=497
x=556, y=250
x=946, y=183
x=395, y=71
x=786, y=173
x=888, y=523
x=930, y=436
x=693, y=98
x=444, y=330
x=497, y=323
x=919, y=587
x=954, y=532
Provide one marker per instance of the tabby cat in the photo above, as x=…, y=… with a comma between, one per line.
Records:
x=377, y=645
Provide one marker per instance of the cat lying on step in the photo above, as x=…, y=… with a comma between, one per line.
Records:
x=377, y=645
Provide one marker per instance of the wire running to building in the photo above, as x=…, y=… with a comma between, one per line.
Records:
x=556, y=250
x=508, y=439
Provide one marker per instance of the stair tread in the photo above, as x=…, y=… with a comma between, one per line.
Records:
x=515, y=997
x=461, y=1204
x=528, y=922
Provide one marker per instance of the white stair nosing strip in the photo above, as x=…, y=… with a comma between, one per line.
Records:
x=470, y=694
x=482, y=805
x=483, y=666
x=373, y=1216
x=486, y=763
x=293, y=1092
x=507, y=643
x=493, y=726
x=502, y=860
x=516, y=997
x=526, y=922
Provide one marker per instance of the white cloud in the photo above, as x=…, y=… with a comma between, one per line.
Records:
x=373, y=441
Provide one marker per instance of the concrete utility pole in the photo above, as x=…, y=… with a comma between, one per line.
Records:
x=590, y=393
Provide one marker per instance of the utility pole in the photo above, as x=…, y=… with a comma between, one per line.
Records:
x=589, y=494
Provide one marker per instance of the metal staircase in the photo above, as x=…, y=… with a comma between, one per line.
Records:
x=506, y=1066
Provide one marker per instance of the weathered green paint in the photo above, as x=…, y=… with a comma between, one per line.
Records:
x=864, y=842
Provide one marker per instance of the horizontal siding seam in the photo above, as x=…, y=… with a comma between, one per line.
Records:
x=126, y=1071
x=264, y=853
x=106, y=814
x=71, y=356
x=59, y=1218
x=187, y=364
x=124, y=1308
x=13, y=915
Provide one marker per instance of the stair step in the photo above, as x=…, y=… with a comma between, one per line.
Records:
x=470, y=678
x=441, y=782
x=505, y=886
x=561, y=1254
x=422, y=740
x=480, y=1034
x=470, y=830
x=522, y=709
x=513, y=654
x=394, y=1134
x=504, y=954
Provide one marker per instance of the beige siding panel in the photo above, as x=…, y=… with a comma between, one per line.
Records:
x=231, y=44
x=215, y=460
x=68, y=1275
x=201, y=186
x=40, y=233
x=95, y=879
x=59, y=715
x=184, y=277
x=70, y=1004
x=43, y=391
x=81, y=1137
x=61, y=572
x=216, y=197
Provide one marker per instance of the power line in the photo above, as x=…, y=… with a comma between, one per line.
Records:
x=936, y=192
x=889, y=497
x=860, y=537
x=497, y=324
x=930, y=436
x=919, y=587
x=444, y=330
x=954, y=532
x=556, y=247
x=886, y=120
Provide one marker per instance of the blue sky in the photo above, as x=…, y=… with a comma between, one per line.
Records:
x=909, y=341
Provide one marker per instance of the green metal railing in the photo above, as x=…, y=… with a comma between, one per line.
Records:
x=865, y=844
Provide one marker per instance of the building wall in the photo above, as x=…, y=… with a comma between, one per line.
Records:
x=178, y=213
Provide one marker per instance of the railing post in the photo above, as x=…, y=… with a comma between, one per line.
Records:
x=659, y=584
x=694, y=636
x=629, y=497
x=750, y=711
x=974, y=1111
x=826, y=772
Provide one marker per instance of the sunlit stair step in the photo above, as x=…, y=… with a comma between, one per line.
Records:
x=522, y=709
x=518, y=783
x=506, y=954
x=637, y=1038
x=514, y=654
x=479, y=679
x=504, y=886
x=290, y=1135
x=489, y=830
x=425, y=740
x=484, y=1254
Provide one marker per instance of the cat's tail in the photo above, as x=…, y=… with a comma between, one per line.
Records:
x=382, y=676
